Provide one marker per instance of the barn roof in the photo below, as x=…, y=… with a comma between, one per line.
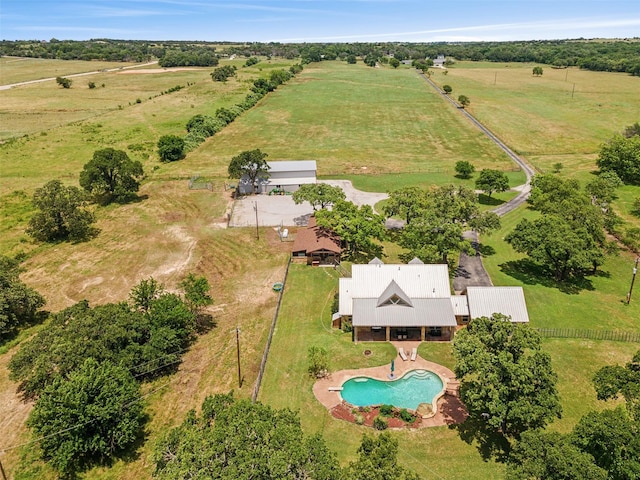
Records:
x=292, y=166
x=485, y=301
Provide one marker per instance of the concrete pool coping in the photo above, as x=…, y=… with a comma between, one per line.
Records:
x=448, y=407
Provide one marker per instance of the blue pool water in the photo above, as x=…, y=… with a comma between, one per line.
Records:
x=409, y=391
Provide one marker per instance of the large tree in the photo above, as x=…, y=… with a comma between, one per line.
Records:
x=464, y=169
x=111, y=175
x=490, y=181
x=171, y=148
x=562, y=249
x=61, y=215
x=406, y=202
x=378, y=460
x=550, y=456
x=99, y=410
x=319, y=195
x=196, y=293
x=622, y=155
x=614, y=380
x=612, y=437
x=251, y=164
x=238, y=439
x=359, y=227
x=18, y=302
x=506, y=380
x=147, y=343
x=438, y=217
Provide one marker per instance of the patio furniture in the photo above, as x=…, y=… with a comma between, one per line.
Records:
x=414, y=354
x=403, y=355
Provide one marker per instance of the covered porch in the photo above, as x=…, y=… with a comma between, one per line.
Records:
x=401, y=334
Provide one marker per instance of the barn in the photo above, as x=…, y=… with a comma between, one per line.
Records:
x=284, y=176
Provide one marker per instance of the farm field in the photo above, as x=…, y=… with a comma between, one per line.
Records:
x=378, y=127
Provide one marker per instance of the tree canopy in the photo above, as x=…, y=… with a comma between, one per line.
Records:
x=490, y=181
x=436, y=219
x=359, y=228
x=235, y=439
x=464, y=169
x=319, y=195
x=250, y=163
x=506, y=380
x=19, y=303
x=621, y=154
x=98, y=406
x=61, y=215
x=171, y=148
x=464, y=101
x=147, y=343
x=377, y=460
x=111, y=175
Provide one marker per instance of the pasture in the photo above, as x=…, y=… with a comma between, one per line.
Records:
x=381, y=128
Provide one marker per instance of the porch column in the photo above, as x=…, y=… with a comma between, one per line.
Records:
x=422, y=329
x=388, y=334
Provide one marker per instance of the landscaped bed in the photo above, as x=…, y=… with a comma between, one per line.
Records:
x=367, y=416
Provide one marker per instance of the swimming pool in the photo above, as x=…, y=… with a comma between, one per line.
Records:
x=409, y=391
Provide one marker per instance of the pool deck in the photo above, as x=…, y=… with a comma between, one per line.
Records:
x=450, y=409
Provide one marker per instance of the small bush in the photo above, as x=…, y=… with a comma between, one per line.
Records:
x=406, y=416
x=380, y=423
x=359, y=420
x=386, y=410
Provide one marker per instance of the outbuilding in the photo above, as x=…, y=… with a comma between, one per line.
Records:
x=284, y=176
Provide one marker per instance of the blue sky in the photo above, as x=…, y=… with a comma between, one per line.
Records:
x=319, y=21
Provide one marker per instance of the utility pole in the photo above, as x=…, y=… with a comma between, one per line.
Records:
x=255, y=208
x=633, y=279
x=495, y=78
x=573, y=90
x=238, y=350
x=4, y=477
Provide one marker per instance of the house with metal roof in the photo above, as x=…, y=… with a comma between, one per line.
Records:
x=284, y=176
x=414, y=302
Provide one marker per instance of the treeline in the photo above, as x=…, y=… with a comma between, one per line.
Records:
x=598, y=55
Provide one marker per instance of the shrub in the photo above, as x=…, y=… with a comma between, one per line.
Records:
x=359, y=419
x=406, y=416
x=380, y=423
x=318, y=362
x=386, y=410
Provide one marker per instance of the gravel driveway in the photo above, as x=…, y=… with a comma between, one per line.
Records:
x=273, y=209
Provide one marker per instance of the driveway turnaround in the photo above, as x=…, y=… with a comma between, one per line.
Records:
x=276, y=210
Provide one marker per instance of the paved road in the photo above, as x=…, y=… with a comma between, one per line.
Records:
x=471, y=271
x=524, y=189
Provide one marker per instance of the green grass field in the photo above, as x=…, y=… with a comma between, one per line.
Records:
x=380, y=128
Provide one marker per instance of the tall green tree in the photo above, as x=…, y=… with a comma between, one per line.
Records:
x=378, y=460
x=359, y=227
x=406, y=202
x=111, y=175
x=562, y=249
x=251, y=164
x=537, y=71
x=196, y=293
x=550, y=456
x=19, y=303
x=61, y=215
x=612, y=437
x=490, y=181
x=87, y=418
x=464, y=101
x=622, y=155
x=171, y=148
x=506, y=380
x=464, y=169
x=612, y=381
x=238, y=439
x=319, y=195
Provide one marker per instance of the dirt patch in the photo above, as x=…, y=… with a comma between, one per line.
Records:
x=155, y=70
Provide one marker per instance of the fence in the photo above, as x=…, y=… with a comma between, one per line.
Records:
x=263, y=363
x=195, y=184
x=613, y=335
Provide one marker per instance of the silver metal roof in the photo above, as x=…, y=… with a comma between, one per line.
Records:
x=426, y=312
x=460, y=305
x=292, y=166
x=485, y=301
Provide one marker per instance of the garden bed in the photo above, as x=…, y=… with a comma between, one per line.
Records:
x=349, y=413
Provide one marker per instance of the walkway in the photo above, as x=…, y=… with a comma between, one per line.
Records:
x=450, y=409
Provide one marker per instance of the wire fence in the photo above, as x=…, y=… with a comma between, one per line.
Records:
x=265, y=354
x=196, y=184
x=613, y=335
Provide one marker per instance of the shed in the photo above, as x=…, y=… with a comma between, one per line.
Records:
x=284, y=176
x=318, y=245
x=509, y=301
